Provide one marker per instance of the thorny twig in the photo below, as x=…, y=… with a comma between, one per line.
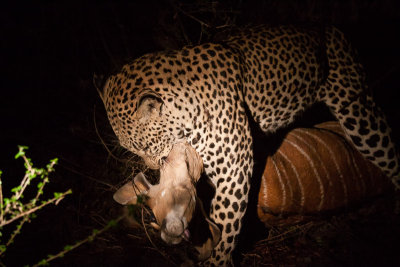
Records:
x=1, y=199
x=151, y=241
x=286, y=234
x=101, y=139
x=201, y=22
x=33, y=203
x=90, y=238
x=55, y=200
x=110, y=187
x=13, y=209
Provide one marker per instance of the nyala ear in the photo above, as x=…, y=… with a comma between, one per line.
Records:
x=101, y=85
x=128, y=193
x=215, y=231
x=205, y=249
x=141, y=181
x=149, y=105
x=194, y=162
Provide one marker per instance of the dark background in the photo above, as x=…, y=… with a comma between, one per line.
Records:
x=49, y=52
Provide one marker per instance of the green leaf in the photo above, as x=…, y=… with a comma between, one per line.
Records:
x=57, y=194
x=32, y=175
x=141, y=199
x=68, y=247
x=43, y=262
x=15, y=189
x=112, y=223
x=21, y=151
x=132, y=209
x=50, y=166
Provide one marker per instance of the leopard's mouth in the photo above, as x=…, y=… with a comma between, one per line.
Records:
x=152, y=162
x=155, y=162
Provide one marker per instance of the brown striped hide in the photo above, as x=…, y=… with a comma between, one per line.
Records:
x=315, y=170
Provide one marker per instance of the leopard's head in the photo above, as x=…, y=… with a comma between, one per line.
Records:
x=142, y=120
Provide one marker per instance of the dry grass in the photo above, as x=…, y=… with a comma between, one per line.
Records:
x=361, y=237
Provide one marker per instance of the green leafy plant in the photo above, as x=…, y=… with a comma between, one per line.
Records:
x=68, y=248
x=15, y=208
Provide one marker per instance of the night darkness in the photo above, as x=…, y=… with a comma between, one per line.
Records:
x=49, y=53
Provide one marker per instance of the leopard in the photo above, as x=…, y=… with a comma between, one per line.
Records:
x=207, y=94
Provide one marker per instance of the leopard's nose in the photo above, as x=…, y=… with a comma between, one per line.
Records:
x=162, y=161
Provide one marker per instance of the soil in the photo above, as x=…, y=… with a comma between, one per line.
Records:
x=49, y=54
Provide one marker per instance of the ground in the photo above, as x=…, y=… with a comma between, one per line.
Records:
x=49, y=54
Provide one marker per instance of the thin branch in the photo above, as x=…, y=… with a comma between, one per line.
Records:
x=26, y=180
x=101, y=139
x=1, y=199
x=54, y=199
x=151, y=241
x=88, y=176
x=16, y=231
x=79, y=243
x=26, y=218
x=202, y=23
x=105, y=46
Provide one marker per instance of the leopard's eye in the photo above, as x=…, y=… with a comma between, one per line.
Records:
x=149, y=105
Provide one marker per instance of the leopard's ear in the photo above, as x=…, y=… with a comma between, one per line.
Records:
x=101, y=85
